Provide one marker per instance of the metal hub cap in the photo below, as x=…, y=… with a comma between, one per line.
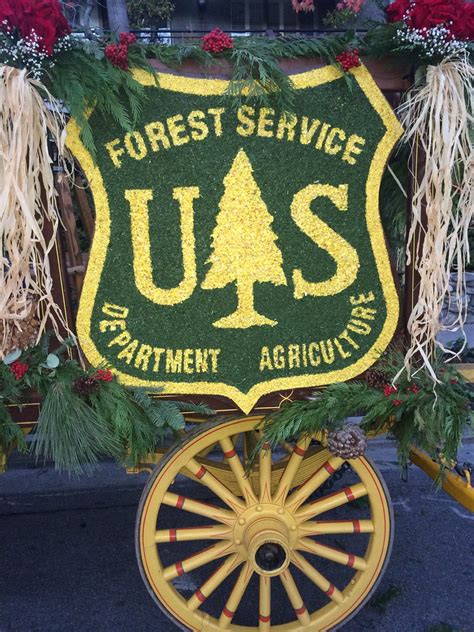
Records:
x=271, y=557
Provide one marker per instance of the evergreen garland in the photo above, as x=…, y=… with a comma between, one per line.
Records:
x=83, y=77
x=79, y=73
x=412, y=410
x=85, y=415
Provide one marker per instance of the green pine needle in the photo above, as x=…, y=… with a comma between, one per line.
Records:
x=70, y=432
x=11, y=435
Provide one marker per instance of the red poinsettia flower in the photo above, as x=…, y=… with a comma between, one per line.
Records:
x=396, y=10
x=430, y=13
x=42, y=17
x=463, y=25
x=455, y=15
x=7, y=15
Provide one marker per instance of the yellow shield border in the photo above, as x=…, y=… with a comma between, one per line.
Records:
x=211, y=87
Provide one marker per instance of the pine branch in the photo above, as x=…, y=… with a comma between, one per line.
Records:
x=11, y=435
x=417, y=416
x=70, y=432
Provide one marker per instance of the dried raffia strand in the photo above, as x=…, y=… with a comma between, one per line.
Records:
x=438, y=117
x=27, y=202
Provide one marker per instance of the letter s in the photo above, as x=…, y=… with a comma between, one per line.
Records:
x=345, y=256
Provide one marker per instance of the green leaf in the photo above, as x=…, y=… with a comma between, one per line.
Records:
x=52, y=361
x=12, y=356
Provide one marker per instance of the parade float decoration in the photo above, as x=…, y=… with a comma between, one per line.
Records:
x=239, y=251
x=255, y=281
x=249, y=290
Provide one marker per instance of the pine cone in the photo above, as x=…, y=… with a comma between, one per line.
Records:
x=348, y=443
x=85, y=385
x=375, y=379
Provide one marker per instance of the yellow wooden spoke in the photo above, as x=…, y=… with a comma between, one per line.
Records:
x=237, y=468
x=335, y=555
x=208, y=587
x=219, y=489
x=315, y=576
x=295, y=598
x=324, y=527
x=209, y=532
x=265, y=473
x=292, y=466
x=287, y=446
x=331, y=501
x=198, y=507
x=235, y=596
x=314, y=482
x=192, y=562
x=264, y=604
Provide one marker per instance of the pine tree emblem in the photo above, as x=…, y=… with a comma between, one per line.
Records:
x=243, y=246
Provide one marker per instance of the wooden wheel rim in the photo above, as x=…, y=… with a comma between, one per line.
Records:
x=175, y=606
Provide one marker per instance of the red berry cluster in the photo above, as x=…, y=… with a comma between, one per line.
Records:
x=413, y=389
x=349, y=59
x=104, y=375
x=117, y=54
x=126, y=39
x=19, y=369
x=216, y=41
x=389, y=390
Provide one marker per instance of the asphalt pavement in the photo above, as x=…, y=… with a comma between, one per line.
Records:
x=67, y=558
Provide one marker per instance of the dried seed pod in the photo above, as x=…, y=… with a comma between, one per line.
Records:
x=348, y=443
x=375, y=379
x=19, y=334
x=85, y=385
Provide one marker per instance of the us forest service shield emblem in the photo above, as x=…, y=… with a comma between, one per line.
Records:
x=239, y=251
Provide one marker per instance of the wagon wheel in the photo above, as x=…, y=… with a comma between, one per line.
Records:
x=259, y=559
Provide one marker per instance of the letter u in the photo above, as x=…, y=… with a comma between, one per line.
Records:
x=142, y=264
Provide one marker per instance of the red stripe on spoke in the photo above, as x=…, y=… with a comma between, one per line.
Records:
x=179, y=568
x=230, y=453
x=180, y=502
x=201, y=471
x=351, y=560
x=299, y=451
x=263, y=619
x=301, y=610
x=348, y=493
x=330, y=590
x=228, y=613
x=356, y=524
x=329, y=468
x=200, y=596
x=173, y=536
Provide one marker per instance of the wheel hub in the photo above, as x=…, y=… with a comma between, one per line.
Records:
x=265, y=535
x=270, y=557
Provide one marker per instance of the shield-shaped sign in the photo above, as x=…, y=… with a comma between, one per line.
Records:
x=239, y=251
